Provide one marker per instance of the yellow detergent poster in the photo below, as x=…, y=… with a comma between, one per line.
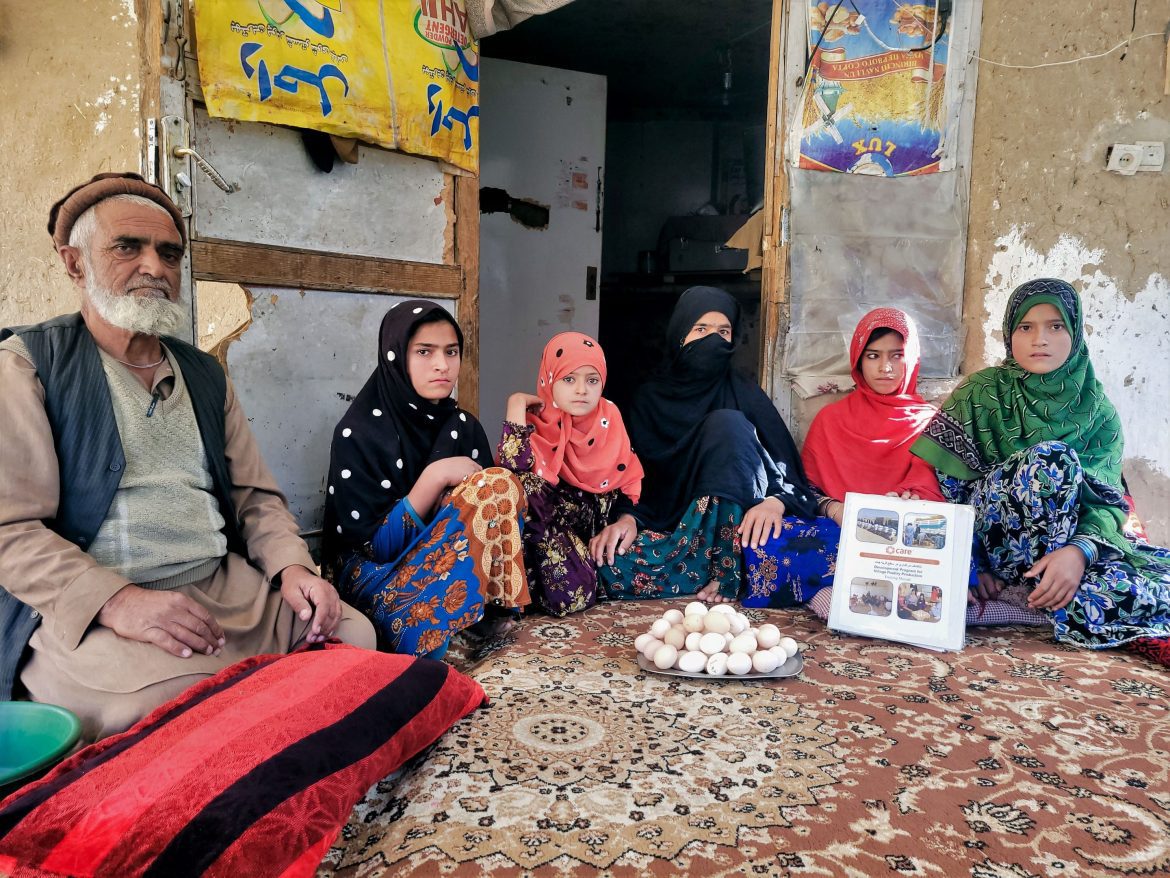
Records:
x=434, y=65
x=400, y=73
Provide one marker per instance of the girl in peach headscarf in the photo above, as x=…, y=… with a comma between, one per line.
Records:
x=571, y=451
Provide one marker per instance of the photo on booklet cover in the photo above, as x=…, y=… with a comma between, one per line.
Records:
x=925, y=531
x=920, y=603
x=871, y=597
x=877, y=526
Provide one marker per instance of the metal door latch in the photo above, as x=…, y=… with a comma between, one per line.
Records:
x=175, y=157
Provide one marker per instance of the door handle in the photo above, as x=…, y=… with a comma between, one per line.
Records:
x=175, y=157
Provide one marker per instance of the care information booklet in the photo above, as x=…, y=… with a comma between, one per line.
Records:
x=903, y=567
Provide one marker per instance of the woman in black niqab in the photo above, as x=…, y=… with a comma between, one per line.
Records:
x=719, y=460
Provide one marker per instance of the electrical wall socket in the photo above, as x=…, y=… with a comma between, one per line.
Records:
x=1124, y=159
x=1129, y=158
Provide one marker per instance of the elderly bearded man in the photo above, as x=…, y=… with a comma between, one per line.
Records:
x=144, y=545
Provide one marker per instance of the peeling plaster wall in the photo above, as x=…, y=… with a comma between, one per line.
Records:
x=222, y=311
x=1042, y=204
x=63, y=122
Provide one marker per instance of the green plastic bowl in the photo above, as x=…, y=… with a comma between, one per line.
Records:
x=33, y=736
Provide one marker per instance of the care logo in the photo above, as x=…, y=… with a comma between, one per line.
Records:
x=442, y=23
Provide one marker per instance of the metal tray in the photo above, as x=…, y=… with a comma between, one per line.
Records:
x=790, y=668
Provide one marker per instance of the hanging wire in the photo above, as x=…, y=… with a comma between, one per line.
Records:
x=942, y=17
x=1124, y=42
x=808, y=59
x=1132, y=28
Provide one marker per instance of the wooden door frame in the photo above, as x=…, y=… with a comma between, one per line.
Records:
x=774, y=246
x=260, y=264
x=467, y=306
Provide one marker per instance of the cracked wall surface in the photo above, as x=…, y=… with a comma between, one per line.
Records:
x=1042, y=204
x=70, y=89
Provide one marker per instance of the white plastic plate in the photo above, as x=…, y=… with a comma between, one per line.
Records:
x=790, y=668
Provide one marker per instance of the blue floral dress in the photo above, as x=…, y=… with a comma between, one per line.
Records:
x=790, y=568
x=1027, y=507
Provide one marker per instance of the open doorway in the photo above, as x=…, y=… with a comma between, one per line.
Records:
x=683, y=168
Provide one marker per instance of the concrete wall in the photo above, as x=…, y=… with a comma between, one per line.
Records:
x=70, y=91
x=1042, y=204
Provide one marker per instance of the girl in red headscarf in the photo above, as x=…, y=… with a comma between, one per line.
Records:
x=860, y=443
x=571, y=451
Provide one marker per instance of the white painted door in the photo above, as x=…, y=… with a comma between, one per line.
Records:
x=542, y=147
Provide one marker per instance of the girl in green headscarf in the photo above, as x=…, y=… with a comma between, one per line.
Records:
x=1036, y=447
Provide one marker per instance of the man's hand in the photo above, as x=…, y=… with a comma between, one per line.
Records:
x=170, y=620
x=761, y=522
x=1060, y=574
x=311, y=597
x=987, y=588
x=613, y=540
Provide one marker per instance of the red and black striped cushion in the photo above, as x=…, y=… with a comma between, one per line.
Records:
x=251, y=772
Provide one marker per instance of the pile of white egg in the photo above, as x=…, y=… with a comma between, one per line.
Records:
x=718, y=640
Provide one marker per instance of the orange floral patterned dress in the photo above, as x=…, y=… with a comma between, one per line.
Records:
x=422, y=582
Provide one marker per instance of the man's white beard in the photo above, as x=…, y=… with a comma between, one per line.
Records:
x=146, y=315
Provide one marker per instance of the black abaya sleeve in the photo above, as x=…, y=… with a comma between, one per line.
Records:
x=788, y=483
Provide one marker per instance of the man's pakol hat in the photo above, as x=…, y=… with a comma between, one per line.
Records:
x=64, y=213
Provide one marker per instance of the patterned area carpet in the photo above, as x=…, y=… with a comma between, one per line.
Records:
x=1014, y=758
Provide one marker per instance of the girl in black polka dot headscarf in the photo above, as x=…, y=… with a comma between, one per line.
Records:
x=417, y=535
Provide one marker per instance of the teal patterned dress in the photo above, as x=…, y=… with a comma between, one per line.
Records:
x=1038, y=453
x=703, y=547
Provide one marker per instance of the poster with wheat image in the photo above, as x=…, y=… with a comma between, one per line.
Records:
x=873, y=96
